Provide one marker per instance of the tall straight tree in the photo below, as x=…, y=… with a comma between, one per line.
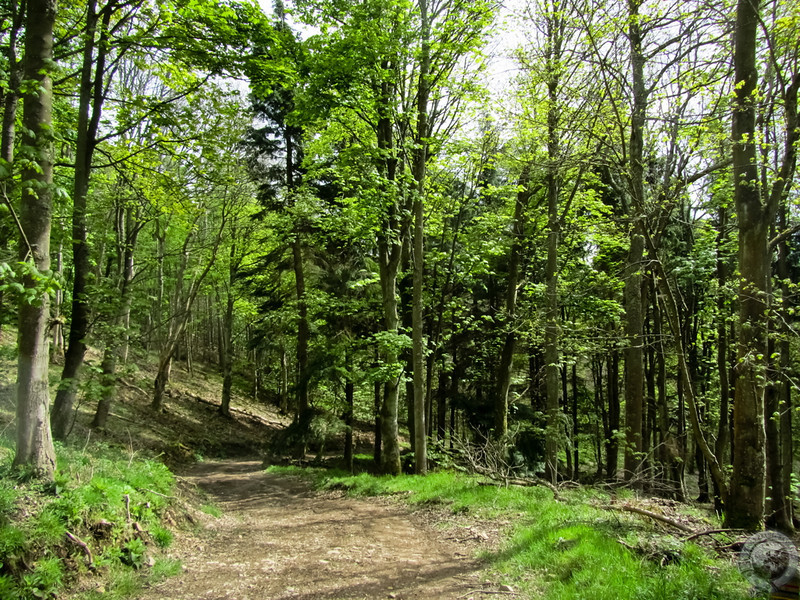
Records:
x=34, y=442
x=90, y=108
x=420, y=165
x=747, y=488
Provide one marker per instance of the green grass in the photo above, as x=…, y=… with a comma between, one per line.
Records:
x=212, y=510
x=568, y=549
x=96, y=488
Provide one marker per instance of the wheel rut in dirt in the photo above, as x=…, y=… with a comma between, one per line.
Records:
x=279, y=539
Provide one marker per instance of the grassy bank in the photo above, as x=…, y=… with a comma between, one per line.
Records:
x=94, y=531
x=573, y=547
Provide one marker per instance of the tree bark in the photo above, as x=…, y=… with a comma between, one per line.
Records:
x=34, y=441
x=722, y=447
x=507, y=355
x=775, y=405
x=634, y=309
x=227, y=334
x=90, y=104
x=612, y=442
x=390, y=243
x=745, y=506
x=419, y=171
x=349, y=394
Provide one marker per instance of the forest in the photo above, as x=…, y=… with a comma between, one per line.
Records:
x=552, y=238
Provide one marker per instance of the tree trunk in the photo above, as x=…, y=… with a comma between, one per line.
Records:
x=34, y=442
x=376, y=394
x=722, y=447
x=10, y=104
x=612, y=442
x=785, y=405
x=780, y=490
x=57, y=352
x=576, y=470
x=507, y=355
x=390, y=243
x=349, y=393
x=90, y=104
x=419, y=171
x=634, y=305
x=745, y=507
x=227, y=334
x=284, y=383
x=441, y=406
x=551, y=351
x=129, y=234
x=599, y=400
x=303, y=331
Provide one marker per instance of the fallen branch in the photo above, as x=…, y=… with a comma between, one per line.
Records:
x=652, y=515
x=711, y=532
x=149, y=491
x=121, y=418
x=487, y=592
x=83, y=546
x=133, y=387
x=499, y=478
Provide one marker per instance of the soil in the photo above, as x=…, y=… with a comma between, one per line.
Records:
x=279, y=539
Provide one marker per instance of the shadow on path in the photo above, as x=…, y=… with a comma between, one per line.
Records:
x=278, y=539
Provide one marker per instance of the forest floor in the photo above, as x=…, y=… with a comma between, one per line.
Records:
x=276, y=539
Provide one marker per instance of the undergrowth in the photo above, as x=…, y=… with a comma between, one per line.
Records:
x=96, y=525
x=570, y=548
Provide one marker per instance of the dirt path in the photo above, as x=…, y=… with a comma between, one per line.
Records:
x=278, y=539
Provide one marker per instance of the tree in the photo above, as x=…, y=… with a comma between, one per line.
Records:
x=35, y=449
x=757, y=205
x=92, y=88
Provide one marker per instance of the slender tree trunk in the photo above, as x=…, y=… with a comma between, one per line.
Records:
x=576, y=470
x=406, y=292
x=182, y=303
x=441, y=406
x=634, y=306
x=303, y=331
x=602, y=417
x=390, y=454
x=89, y=110
x=785, y=403
x=722, y=447
x=551, y=351
x=10, y=104
x=553, y=58
x=34, y=442
x=57, y=353
x=390, y=243
x=378, y=402
x=284, y=383
x=112, y=351
x=507, y=355
x=419, y=172
x=780, y=511
x=227, y=335
x=745, y=507
x=612, y=442
x=349, y=394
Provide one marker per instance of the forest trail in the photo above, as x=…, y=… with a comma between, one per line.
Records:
x=278, y=539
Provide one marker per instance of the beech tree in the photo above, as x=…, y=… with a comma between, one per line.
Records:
x=35, y=449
